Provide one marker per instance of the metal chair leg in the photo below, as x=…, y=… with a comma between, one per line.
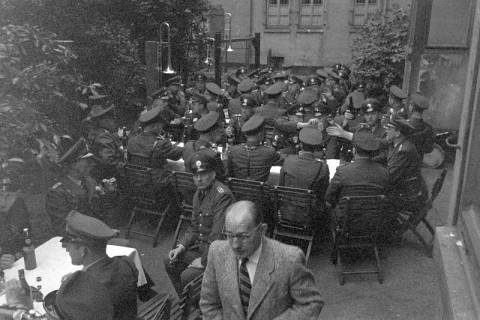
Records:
x=130, y=222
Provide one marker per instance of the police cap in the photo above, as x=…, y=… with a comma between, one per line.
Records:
x=149, y=115
x=311, y=136
x=253, y=124
x=420, y=101
x=240, y=71
x=233, y=80
x=364, y=139
x=246, y=85
x=77, y=152
x=332, y=74
x=88, y=230
x=371, y=105
x=280, y=75
x=401, y=125
x=275, y=89
x=174, y=81
x=307, y=96
x=313, y=81
x=295, y=79
x=80, y=297
x=207, y=122
x=213, y=88
x=201, y=161
x=248, y=102
x=397, y=92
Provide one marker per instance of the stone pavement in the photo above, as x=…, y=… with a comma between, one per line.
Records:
x=410, y=289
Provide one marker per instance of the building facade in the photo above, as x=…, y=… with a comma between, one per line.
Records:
x=298, y=32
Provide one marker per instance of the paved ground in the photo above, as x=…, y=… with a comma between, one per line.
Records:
x=410, y=290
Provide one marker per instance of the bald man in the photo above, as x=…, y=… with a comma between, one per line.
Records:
x=250, y=276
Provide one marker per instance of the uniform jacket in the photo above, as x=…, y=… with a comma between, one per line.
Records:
x=193, y=146
x=120, y=276
x=404, y=169
x=150, y=150
x=423, y=136
x=283, y=288
x=270, y=111
x=306, y=172
x=252, y=162
x=65, y=196
x=362, y=171
x=13, y=218
x=208, y=217
x=234, y=107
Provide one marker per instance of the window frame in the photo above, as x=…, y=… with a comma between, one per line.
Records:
x=371, y=8
x=312, y=6
x=278, y=26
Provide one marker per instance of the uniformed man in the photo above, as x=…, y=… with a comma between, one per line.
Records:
x=422, y=135
x=231, y=86
x=245, y=88
x=241, y=73
x=396, y=98
x=14, y=218
x=176, y=97
x=86, y=243
x=305, y=171
x=75, y=190
x=151, y=149
x=305, y=115
x=234, y=129
x=199, y=87
x=409, y=191
x=210, y=201
x=252, y=160
x=295, y=86
x=197, y=109
x=362, y=171
x=211, y=133
x=105, y=143
x=271, y=110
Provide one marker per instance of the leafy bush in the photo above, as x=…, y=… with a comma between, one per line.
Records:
x=379, y=49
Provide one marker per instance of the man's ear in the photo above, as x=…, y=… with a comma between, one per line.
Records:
x=263, y=228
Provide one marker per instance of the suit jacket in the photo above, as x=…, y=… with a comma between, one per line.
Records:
x=253, y=162
x=283, y=287
x=362, y=171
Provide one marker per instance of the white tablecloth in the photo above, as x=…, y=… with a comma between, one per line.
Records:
x=53, y=262
x=274, y=176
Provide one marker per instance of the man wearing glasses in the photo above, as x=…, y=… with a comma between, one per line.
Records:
x=249, y=276
x=212, y=198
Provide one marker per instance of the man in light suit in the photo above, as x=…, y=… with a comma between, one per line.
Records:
x=250, y=276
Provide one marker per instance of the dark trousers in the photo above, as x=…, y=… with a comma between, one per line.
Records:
x=179, y=272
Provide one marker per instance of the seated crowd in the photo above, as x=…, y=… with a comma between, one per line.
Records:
x=258, y=121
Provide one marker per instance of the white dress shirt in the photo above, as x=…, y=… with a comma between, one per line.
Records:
x=252, y=263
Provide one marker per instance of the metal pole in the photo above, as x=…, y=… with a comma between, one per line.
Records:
x=256, y=45
x=218, y=57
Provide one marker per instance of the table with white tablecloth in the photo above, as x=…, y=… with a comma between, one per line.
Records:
x=53, y=262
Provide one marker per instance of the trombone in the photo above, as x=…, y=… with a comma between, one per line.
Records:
x=169, y=69
x=229, y=16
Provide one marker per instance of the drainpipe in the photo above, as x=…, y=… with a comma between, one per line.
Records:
x=250, y=31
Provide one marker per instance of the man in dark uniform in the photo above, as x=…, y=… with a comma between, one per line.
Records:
x=199, y=87
x=105, y=144
x=422, y=135
x=75, y=190
x=176, y=97
x=305, y=171
x=211, y=133
x=409, y=191
x=252, y=160
x=210, y=201
x=294, y=88
x=86, y=243
x=151, y=149
x=14, y=218
x=197, y=109
x=233, y=131
x=271, y=110
x=396, y=98
x=362, y=171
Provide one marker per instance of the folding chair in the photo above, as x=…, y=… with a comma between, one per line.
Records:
x=184, y=190
x=358, y=224
x=187, y=308
x=157, y=308
x=295, y=209
x=144, y=198
x=410, y=221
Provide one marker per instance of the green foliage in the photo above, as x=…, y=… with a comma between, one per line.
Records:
x=379, y=49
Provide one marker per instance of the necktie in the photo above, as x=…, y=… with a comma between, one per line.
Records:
x=245, y=285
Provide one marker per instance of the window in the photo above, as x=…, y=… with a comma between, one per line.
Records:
x=362, y=9
x=311, y=13
x=278, y=14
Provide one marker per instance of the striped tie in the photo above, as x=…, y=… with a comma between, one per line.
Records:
x=245, y=285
